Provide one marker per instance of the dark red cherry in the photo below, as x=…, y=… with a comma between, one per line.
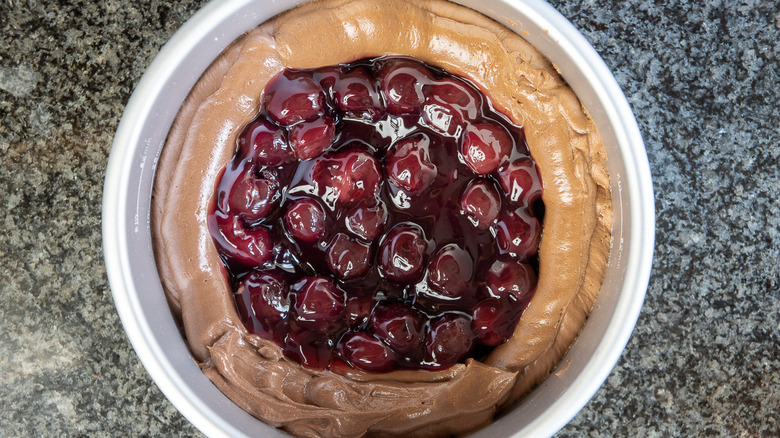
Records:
x=449, y=340
x=310, y=139
x=401, y=327
x=310, y=349
x=327, y=77
x=449, y=105
x=408, y=164
x=359, y=309
x=319, y=304
x=521, y=182
x=362, y=176
x=402, y=253
x=456, y=93
x=269, y=295
x=366, y=352
x=247, y=247
x=356, y=94
x=509, y=277
x=367, y=222
x=305, y=219
x=493, y=321
x=348, y=177
x=264, y=143
x=401, y=81
x=485, y=146
x=253, y=198
x=293, y=96
x=481, y=202
x=347, y=257
x=517, y=233
x=450, y=271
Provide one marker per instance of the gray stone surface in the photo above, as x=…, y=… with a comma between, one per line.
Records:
x=702, y=77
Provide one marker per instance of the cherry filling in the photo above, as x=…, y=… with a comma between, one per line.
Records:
x=380, y=215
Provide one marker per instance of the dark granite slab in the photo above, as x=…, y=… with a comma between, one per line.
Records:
x=703, y=79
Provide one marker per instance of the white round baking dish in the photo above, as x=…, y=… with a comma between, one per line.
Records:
x=136, y=286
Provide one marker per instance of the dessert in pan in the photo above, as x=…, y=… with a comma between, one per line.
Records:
x=380, y=218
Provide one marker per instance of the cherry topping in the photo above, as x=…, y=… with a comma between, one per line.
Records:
x=402, y=253
x=367, y=222
x=401, y=82
x=449, y=340
x=507, y=277
x=253, y=198
x=517, y=233
x=481, y=202
x=401, y=327
x=366, y=352
x=347, y=257
x=319, y=305
x=354, y=231
x=305, y=220
x=450, y=272
x=292, y=97
x=485, y=146
x=356, y=94
x=408, y=164
x=521, y=182
x=310, y=139
x=264, y=143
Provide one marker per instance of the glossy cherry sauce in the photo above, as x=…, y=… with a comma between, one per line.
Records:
x=380, y=214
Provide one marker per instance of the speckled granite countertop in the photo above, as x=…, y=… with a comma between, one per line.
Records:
x=703, y=79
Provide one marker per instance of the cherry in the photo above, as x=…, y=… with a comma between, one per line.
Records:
x=517, y=233
x=347, y=257
x=305, y=219
x=367, y=222
x=327, y=77
x=248, y=247
x=309, y=349
x=293, y=96
x=362, y=176
x=521, y=182
x=347, y=177
x=264, y=143
x=408, y=164
x=319, y=305
x=356, y=94
x=366, y=352
x=402, y=253
x=401, y=327
x=449, y=340
x=510, y=277
x=401, y=81
x=485, y=146
x=268, y=292
x=252, y=198
x=449, y=105
x=481, y=202
x=493, y=321
x=450, y=272
x=359, y=309
x=309, y=139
